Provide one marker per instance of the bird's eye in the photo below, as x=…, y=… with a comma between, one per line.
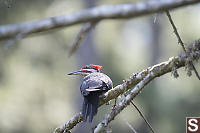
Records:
x=85, y=71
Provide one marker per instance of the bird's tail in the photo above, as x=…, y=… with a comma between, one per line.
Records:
x=90, y=107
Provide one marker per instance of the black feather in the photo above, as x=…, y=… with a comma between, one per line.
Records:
x=90, y=106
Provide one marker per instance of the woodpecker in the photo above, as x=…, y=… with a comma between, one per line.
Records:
x=93, y=85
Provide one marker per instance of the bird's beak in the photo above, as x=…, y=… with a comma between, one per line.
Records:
x=75, y=73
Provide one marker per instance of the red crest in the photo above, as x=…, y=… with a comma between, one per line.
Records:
x=95, y=66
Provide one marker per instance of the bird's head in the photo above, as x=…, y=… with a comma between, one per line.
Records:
x=84, y=71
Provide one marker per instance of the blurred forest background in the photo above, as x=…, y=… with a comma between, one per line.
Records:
x=36, y=95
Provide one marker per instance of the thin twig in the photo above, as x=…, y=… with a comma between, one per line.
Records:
x=180, y=41
x=143, y=117
x=87, y=27
x=175, y=31
x=18, y=37
x=130, y=126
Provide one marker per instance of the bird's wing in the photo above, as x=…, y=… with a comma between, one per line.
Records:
x=93, y=85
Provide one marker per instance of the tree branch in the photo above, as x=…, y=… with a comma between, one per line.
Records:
x=86, y=28
x=181, y=42
x=142, y=78
x=143, y=117
x=94, y=14
x=138, y=88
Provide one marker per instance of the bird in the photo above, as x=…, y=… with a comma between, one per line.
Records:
x=93, y=85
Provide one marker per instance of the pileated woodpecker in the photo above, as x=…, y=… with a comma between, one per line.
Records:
x=93, y=85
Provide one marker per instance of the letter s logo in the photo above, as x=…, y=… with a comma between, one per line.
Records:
x=192, y=125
